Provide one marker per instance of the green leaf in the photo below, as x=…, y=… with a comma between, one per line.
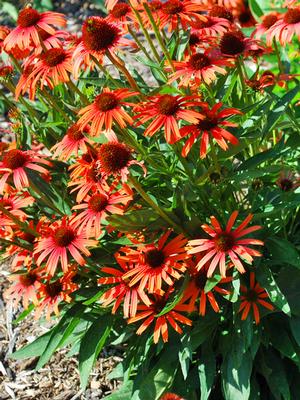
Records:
x=207, y=371
x=91, y=345
x=123, y=393
x=9, y=9
x=283, y=251
x=236, y=379
x=267, y=281
x=255, y=9
x=161, y=376
x=23, y=314
x=175, y=299
x=185, y=357
x=295, y=328
x=61, y=332
x=33, y=349
x=212, y=282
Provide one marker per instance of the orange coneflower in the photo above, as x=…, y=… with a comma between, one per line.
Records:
x=234, y=43
x=175, y=12
x=96, y=209
x=115, y=158
x=213, y=26
x=212, y=124
x=14, y=164
x=165, y=111
x=171, y=396
x=151, y=314
x=60, y=239
x=121, y=292
x=199, y=67
x=195, y=290
x=226, y=242
x=53, y=64
x=29, y=22
x=244, y=16
x=286, y=27
x=106, y=109
x=263, y=28
x=13, y=202
x=251, y=297
x=121, y=13
x=52, y=293
x=24, y=84
x=73, y=142
x=98, y=37
x=50, y=41
x=219, y=11
x=156, y=263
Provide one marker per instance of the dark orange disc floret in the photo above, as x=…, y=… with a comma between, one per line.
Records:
x=94, y=175
x=269, y=21
x=194, y=39
x=286, y=184
x=98, y=34
x=54, y=57
x=74, y=133
x=207, y=124
x=28, y=17
x=154, y=257
x=64, y=236
x=199, y=61
x=292, y=16
x=53, y=289
x=251, y=295
x=172, y=7
x=224, y=241
x=106, y=101
x=113, y=157
x=98, y=202
x=200, y=279
x=6, y=70
x=232, y=43
x=120, y=10
x=168, y=105
x=14, y=159
x=28, y=279
x=221, y=12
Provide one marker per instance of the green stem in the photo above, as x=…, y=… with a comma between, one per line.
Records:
x=155, y=207
x=280, y=66
x=16, y=243
x=11, y=87
x=9, y=103
x=44, y=198
x=16, y=220
x=242, y=80
x=51, y=100
x=105, y=72
x=214, y=156
x=146, y=34
x=74, y=88
x=158, y=36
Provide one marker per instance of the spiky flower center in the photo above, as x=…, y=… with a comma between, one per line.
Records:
x=64, y=236
x=107, y=101
x=14, y=159
x=98, y=202
x=245, y=16
x=54, y=57
x=154, y=258
x=292, y=16
x=28, y=279
x=207, y=123
x=194, y=39
x=94, y=174
x=200, y=280
x=120, y=10
x=98, y=34
x=6, y=70
x=251, y=296
x=28, y=17
x=74, y=133
x=113, y=157
x=199, y=61
x=269, y=21
x=168, y=105
x=286, y=184
x=224, y=241
x=172, y=7
x=232, y=43
x=155, y=5
x=221, y=12
x=53, y=289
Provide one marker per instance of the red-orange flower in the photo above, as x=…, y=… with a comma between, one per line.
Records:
x=251, y=297
x=213, y=26
x=122, y=291
x=234, y=43
x=212, y=124
x=171, y=396
x=198, y=68
x=155, y=264
x=165, y=111
x=14, y=164
x=29, y=22
x=60, y=239
x=106, y=109
x=151, y=314
x=97, y=207
x=121, y=13
x=13, y=203
x=226, y=242
x=286, y=27
x=73, y=142
x=263, y=28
